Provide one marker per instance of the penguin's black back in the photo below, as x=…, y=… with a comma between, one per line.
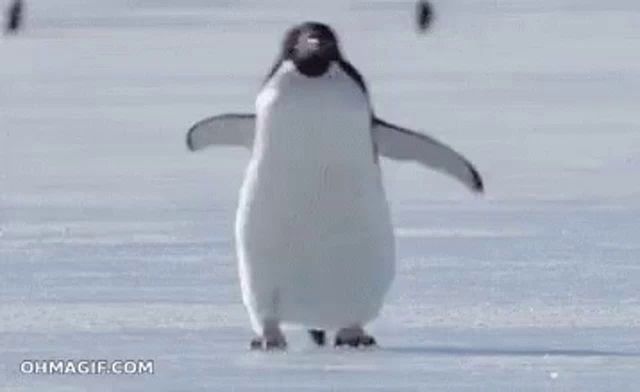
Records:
x=424, y=15
x=14, y=16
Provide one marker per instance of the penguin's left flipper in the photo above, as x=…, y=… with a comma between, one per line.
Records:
x=399, y=143
x=232, y=129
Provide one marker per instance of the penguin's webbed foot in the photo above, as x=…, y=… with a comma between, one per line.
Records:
x=268, y=344
x=271, y=338
x=354, y=337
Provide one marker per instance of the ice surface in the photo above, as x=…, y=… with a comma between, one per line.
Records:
x=117, y=243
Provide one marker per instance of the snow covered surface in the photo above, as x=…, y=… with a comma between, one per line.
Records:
x=116, y=243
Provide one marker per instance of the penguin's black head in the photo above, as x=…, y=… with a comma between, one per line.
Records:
x=312, y=47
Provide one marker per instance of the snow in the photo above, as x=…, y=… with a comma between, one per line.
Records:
x=117, y=243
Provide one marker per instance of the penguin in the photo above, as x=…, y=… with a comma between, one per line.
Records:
x=424, y=15
x=314, y=237
x=14, y=17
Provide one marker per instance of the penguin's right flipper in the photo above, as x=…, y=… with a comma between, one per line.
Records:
x=403, y=144
x=225, y=130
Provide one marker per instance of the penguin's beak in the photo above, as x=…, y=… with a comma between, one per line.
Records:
x=313, y=43
x=315, y=46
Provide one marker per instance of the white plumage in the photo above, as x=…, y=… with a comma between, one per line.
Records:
x=314, y=238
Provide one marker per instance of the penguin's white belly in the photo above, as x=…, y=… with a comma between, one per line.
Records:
x=320, y=254
x=314, y=237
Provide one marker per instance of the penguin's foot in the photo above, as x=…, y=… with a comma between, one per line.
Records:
x=354, y=337
x=318, y=336
x=271, y=338
x=268, y=344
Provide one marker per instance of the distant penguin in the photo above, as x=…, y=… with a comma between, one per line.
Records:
x=314, y=237
x=14, y=17
x=424, y=15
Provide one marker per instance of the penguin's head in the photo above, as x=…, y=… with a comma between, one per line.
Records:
x=312, y=47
